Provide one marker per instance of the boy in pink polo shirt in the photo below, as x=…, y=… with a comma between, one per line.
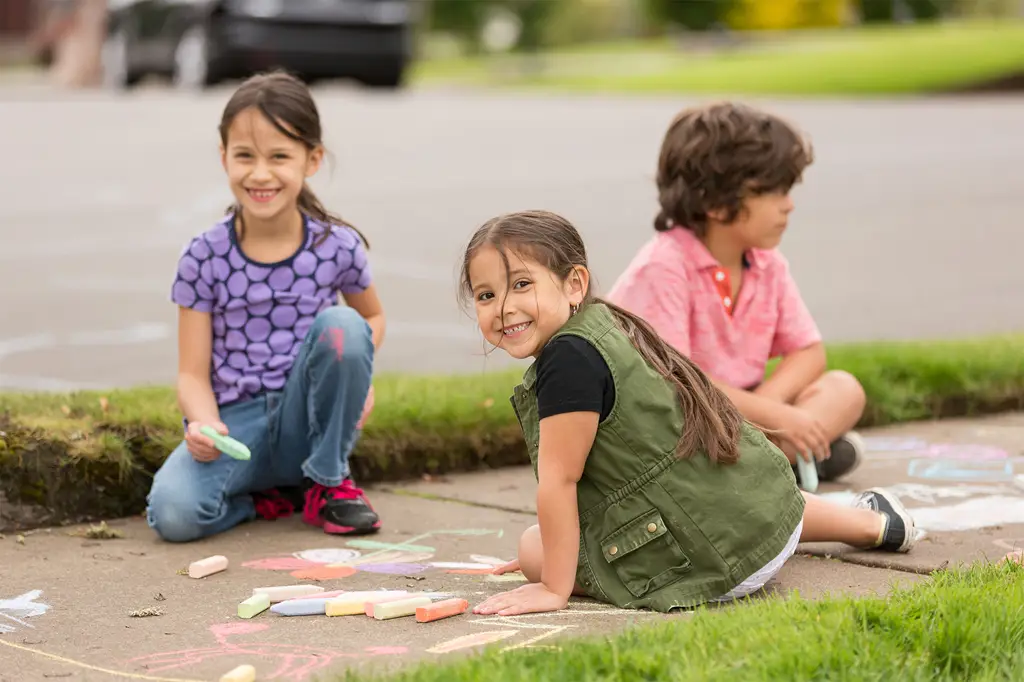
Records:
x=713, y=285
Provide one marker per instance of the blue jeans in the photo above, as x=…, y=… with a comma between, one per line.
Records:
x=306, y=430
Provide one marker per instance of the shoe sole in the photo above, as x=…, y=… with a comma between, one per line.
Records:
x=334, y=529
x=910, y=538
x=858, y=446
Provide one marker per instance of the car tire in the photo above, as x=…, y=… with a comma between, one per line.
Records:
x=117, y=69
x=387, y=75
x=193, y=65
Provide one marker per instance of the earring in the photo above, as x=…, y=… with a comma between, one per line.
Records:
x=573, y=309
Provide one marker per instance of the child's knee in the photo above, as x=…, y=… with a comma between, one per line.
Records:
x=344, y=331
x=531, y=554
x=844, y=384
x=174, y=517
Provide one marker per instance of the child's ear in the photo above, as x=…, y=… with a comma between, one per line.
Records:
x=316, y=157
x=223, y=156
x=577, y=284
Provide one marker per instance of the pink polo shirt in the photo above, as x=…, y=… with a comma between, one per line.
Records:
x=676, y=285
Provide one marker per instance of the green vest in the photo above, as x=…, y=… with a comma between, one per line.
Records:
x=659, y=531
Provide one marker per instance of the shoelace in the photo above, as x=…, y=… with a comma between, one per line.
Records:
x=346, y=491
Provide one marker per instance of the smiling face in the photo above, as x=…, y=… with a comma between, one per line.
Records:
x=522, y=304
x=266, y=169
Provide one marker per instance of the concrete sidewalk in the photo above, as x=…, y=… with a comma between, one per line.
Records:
x=65, y=600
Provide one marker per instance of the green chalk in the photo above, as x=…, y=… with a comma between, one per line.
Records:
x=226, y=444
x=397, y=609
x=254, y=605
x=808, y=473
x=376, y=544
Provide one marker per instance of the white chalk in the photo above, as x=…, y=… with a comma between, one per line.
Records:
x=283, y=592
x=207, y=566
x=243, y=673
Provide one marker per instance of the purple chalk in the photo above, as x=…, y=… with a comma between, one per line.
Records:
x=302, y=607
x=393, y=568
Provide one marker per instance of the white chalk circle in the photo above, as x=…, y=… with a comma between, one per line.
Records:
x=328, y=555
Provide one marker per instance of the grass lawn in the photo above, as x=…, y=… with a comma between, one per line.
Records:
x=90, y=453
x=960, y=625
x=882, y=60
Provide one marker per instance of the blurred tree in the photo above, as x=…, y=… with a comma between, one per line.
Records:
x=696, y=15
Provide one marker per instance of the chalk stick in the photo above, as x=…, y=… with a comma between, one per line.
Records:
x=243, y=673
x=254, y=605
x=808, y=474
x=207, y=566
x=370, y=605
x=301, y=607
x=355, y=603
x=397, y=609
x=441, y=609
x=284, y=592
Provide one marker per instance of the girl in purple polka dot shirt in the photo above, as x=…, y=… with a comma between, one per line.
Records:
x=267, y=352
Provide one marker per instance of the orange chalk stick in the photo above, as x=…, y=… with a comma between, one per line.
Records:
x=441, y=609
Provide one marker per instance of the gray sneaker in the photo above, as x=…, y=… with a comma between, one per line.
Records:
x=847, y=453
x=899, y=533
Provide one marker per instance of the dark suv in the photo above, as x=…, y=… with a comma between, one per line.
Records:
x=198, y=43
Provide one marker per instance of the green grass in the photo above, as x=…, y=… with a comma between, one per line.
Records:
x=877, y=60
x=964, y=624
x=91, y=454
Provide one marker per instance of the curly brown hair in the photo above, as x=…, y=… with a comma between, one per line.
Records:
x=715, y=156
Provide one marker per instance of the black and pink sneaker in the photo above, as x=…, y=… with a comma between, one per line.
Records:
x=342, y=510
x=271, y=504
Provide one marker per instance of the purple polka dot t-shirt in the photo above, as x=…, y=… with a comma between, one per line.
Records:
x=262, y=311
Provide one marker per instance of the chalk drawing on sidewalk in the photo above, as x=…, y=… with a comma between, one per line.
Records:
x=893, y=444
x=13, y=612
x=387, y=558
x=882, y=448
x=973, y=506
x=274, y=660
x=987, y=470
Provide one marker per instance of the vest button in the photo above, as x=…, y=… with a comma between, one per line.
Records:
x=651, y=527
x=613, y=551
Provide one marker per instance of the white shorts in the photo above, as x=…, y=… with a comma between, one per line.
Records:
x=761, y=577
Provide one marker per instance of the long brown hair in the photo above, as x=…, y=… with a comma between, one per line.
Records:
x=710, y=420
x=715, y=156
x=287, y=103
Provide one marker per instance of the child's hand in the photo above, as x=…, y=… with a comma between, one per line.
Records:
x=804, y=431
x=508, y=567
x=532, y=598
x=201, y=447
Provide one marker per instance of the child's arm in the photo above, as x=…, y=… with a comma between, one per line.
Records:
x=195, y=393
x=797, y=371
x=565, y=442
x=367, y=304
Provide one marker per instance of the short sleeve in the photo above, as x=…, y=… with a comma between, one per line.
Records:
x=354, y=274
x=661, y=296
x=192, y=288
x=796, y=328
x=572, y=377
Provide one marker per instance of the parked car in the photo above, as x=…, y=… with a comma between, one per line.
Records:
x=198, y=43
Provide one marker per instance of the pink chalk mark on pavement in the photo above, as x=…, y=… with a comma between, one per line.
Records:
x=281, y=563
x=295, y=663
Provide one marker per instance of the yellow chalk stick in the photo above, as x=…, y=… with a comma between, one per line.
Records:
x=254, y=605
x=354, y=605
x=207, y=566
x=243, y=673
x=397, y=609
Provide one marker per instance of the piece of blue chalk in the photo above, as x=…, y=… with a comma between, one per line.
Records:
x=302, y=607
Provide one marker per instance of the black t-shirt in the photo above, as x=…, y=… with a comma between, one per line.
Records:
x=572, y=376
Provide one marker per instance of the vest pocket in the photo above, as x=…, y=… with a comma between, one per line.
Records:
x=662, y=561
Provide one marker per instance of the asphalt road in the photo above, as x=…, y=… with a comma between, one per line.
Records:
x=908, y=225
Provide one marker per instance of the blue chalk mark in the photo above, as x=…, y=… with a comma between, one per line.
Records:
x=961, y=470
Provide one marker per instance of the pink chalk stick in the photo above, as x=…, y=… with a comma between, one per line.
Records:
x=207, y=566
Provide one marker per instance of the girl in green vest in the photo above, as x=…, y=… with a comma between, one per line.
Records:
x=653, y=491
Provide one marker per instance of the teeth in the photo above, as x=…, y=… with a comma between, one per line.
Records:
x=517, y=328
